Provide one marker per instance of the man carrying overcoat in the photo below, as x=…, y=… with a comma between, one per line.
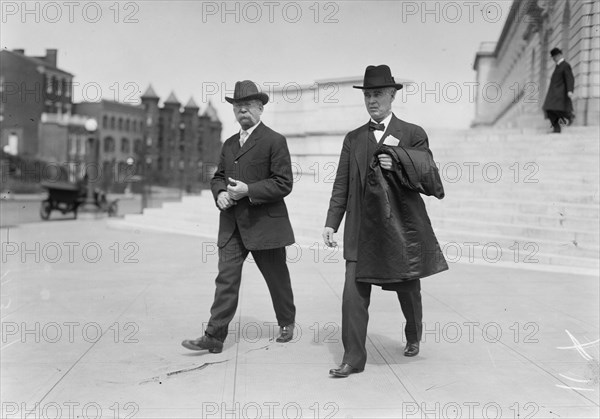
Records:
x=253, y=176
x=388, y=240
x=558, y=104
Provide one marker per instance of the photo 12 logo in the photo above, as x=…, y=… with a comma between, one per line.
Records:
x=69, y=11
x=278, y=91
x=69, y=410
x=269, y=12
x=69, y=252
x=452, y=11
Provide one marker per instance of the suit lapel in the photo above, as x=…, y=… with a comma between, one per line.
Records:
x=394, y=129
x=250, y=141
x=361, y=153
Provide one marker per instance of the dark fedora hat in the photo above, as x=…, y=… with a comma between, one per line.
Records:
x=377, y=77
x=555, y=51
x=247, y=90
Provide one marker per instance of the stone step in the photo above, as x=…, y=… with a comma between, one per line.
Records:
x=457, y=196
x=535, y=219
x=584, y=237
x=492, y=251
x=566, y=209
x=203, y=208
x=529, y=212
x=516, y=255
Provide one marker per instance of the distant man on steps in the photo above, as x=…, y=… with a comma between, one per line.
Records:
x=558, y=104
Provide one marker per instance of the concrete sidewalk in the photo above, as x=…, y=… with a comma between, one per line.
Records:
x=92, y=320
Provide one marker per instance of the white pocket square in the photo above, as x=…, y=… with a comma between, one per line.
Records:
x=391, y=141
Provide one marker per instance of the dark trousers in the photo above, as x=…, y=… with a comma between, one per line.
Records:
x=272, y=265
x=555, y=118
x=355, y=316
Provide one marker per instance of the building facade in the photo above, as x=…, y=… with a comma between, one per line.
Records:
x=168, y=144
x=513, y=73
x=182, y=145
x=31, y=87
x=121, y=131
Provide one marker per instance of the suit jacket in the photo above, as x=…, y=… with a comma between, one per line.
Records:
x=264, y=164
x=561, y=82
x=349, y=186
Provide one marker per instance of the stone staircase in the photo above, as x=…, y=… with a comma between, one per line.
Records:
x=513, y=198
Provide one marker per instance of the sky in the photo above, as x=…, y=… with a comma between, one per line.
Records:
x=200, y=49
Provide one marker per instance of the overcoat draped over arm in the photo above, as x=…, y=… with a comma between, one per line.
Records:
x=396, y=241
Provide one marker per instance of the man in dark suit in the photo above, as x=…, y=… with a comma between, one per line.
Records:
x=558, y=104
x=253, y=177
x=361, y=147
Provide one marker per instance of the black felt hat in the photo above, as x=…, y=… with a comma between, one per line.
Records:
x=378, y=77
x=247, y=90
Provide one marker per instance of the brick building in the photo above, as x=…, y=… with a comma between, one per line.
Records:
x=170, y=145
x=513, y=73
x=121, y=130
x=30, y=88
x=182, y=145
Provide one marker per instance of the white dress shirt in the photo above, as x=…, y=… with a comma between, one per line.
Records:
x=386, y=122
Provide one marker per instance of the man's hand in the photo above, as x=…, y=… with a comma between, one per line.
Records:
x=237, y=189
x=224, y=201
x=571, y=95
x=328, y=237
x=385, y=161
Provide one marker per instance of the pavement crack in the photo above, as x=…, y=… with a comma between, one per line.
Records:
x=258, y=349
x=163, y=377
x=436, y=386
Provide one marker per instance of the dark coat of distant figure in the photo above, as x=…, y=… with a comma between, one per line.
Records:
x=561, y=82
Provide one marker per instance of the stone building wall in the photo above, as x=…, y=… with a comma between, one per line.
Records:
x=513, y=76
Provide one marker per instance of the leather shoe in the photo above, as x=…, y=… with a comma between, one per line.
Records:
x=286, y=333
x=344, y=371
x=213, y=345
x=411, y=349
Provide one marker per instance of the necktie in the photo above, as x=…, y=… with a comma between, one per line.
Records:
x=243, y=137
x=376, y=127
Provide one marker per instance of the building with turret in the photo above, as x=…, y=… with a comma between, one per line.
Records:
x=182, y=144
x=166, y=143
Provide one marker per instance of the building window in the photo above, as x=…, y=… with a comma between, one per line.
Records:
x=79, y=148
x=109, y=145
x=59, y=87
x=71, y=140
x=104, y=121
x=106, y=172
x=112, y=122
x=127, y=125
x=67, y=88
x=137, y=146
x=120, y=124
x=125, y=145
x=48, y=83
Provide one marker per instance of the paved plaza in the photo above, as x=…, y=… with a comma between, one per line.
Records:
x=93, y=318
